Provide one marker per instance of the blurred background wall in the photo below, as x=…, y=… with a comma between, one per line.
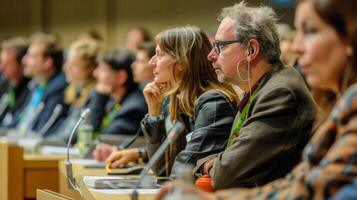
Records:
x=113, y=18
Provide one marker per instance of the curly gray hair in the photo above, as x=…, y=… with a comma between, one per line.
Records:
x=255, y=23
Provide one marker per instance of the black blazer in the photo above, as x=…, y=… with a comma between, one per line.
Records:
x=126, y=120
x=22, y=92
x=207, y=133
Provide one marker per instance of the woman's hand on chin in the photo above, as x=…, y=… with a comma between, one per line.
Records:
x=154, y=94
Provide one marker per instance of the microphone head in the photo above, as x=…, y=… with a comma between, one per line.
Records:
x=85, y=113
x=58, y=108
x=40, y=107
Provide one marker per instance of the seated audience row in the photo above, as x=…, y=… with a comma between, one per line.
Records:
x=287, y=137
x=327, y=48
x=275, y=115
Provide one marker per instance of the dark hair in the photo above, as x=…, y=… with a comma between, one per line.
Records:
x=121, y=60
x=18, y=44
x=148, y=47
x=52, y=50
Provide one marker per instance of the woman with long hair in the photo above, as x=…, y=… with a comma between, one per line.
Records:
x=186, y=89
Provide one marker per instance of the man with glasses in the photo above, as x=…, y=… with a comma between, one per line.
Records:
x=275, y=115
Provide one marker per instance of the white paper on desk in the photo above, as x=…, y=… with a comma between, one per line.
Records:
x=58, y=150
x=125, y=191
x=84, y=161
x=115, y=182
x=90, y=180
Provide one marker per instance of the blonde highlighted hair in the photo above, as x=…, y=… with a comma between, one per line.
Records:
x=87, y=50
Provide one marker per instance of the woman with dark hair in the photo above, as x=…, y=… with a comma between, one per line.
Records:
x=327, y=48
x=184, y=81
x=142, y=74
x=117, y=105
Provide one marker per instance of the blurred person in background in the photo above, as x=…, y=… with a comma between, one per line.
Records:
x=14, y=90
x=142, y=70
x=142, y=74
x=45, y=109
x=79, y=67
x=117, y=105
x=136, y=36
x=286, y=36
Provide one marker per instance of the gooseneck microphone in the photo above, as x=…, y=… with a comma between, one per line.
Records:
x=176, y=130
x=69, y=170
x=54, y=116
x=26, y=124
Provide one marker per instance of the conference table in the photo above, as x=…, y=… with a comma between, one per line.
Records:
x=23, y=174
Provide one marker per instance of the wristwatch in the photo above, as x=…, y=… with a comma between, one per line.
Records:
x=155, y=118
x=142, y=155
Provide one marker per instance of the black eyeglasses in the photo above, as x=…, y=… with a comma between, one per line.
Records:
x=218, y=44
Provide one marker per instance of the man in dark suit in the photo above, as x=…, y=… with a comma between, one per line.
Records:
x=275, y=115
x=45, y=109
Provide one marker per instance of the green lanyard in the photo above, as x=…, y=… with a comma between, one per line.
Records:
x=12, y=98
x=238, y=125
x=108, y=119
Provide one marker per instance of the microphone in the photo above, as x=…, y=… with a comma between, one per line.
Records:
x=177, y=129
x=27, y=123
x=3, y=103
x=54, y=116
x=69, y=169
